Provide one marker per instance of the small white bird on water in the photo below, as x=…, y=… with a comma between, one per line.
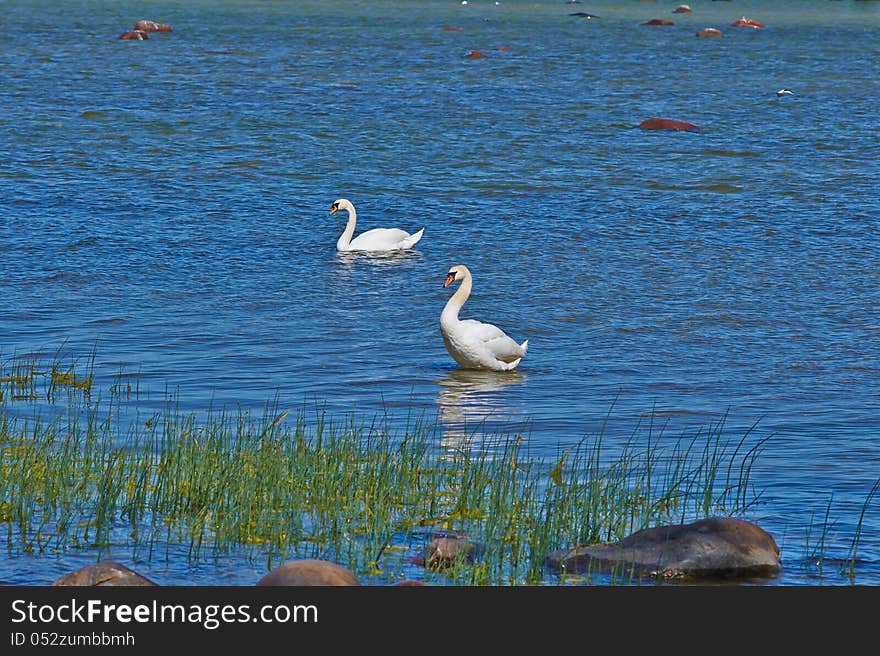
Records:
x=784, y=92
x=375, y=240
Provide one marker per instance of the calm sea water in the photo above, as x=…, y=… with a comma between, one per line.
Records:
x=165, y=204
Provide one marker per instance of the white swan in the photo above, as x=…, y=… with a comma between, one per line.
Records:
x=474, y=344
x=377, y=239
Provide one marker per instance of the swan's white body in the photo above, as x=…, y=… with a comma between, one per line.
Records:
x=377, y=239
x=474, y=344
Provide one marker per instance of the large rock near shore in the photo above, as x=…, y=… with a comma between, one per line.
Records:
x=103, y=573
x=309, y=572
x=716, y=548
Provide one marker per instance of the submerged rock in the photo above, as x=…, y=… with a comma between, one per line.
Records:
x=106, y=572
x=152, y=26
x=658, y=21
x=309, y=572
x=668, y=124
x=134, y=35
x=709, y=32
x=716, y=548
x=682, y=9
x=747, y=22
x=445, y=551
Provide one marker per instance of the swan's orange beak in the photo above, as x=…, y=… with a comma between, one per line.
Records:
x=450, y=278
x=333, y=210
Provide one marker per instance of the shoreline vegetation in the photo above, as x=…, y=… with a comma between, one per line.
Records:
x=81, y=473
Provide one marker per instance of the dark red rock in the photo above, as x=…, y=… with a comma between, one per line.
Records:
x=450, y=28
x=475, y=54
x=668, y=124
x=104, y=573
x=709, y=32
x=151, y=26
x=658, y=21
x=747, y=22
x=715, y=548
x=682, y=9
x=309, y=572
x=134, y=35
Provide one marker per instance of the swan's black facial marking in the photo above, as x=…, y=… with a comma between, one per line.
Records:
x=450, y=278
x=334, y=208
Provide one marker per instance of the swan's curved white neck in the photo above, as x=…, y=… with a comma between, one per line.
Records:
x=456, y=301
x=344, y=240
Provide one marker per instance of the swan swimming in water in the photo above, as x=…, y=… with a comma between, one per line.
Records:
x=471, y=343
x=377, y=239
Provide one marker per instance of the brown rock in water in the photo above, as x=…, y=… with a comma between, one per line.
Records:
x=151, y=26
x=709, y=31
x=309, y=572
x=716, y=548
x=475, y=54
x=106, y=572
x=747, y=22
x=450, y=28
x=682, y=9
x=445, y=551
x=658, y=21
x=134, y=35
x=668, y=124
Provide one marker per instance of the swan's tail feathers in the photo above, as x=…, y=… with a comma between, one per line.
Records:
x=413, y=239
x=513, y=364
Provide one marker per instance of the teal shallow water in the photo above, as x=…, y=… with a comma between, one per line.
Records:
x=165, y=203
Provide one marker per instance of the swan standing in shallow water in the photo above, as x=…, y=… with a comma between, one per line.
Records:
x=474, y=344
x=377, y=239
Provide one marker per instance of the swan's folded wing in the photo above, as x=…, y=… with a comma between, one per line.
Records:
x=505, y=349
x=499, y=343
x=379, y=239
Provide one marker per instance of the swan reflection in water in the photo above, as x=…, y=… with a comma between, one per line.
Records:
x=349, y=258
x=471, y=402
x=348, y=263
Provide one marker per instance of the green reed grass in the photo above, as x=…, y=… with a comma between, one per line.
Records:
x=274, y=485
